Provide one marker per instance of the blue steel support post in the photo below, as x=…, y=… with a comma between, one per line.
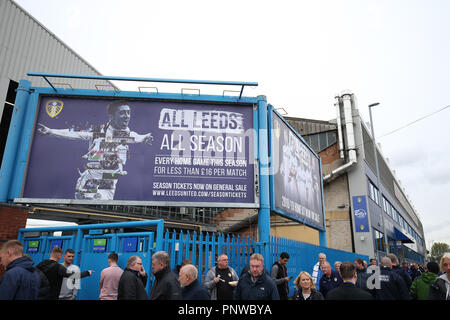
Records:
x=13, y=142
x=264, y=199
x=22, y=152
x=159, y=235
x=78, y=244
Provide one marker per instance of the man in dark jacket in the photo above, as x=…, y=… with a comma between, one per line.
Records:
x=256, y=284
x=191, y=289
x=166, y=285
x=440, y=289
x=20, y=281
x=133, y=281
x=362, y=275
x=347, y=290
x=392, y=286
x=330, y=279
x=279, y=275
x=55, y=273
x=399, y=270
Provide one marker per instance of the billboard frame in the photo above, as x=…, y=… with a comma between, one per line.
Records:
x=28, y=103
x=273, y=208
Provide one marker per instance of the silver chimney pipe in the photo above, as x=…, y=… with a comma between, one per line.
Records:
x=339, y=124
x=350, y=146
x=348, y=122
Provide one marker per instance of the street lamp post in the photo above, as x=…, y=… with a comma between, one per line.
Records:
x=385, y=242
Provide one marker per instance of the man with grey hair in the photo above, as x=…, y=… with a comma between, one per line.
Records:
x=133, y=281
x=317, y=270
x=191, y=289
x=166, y=285
x=221, y=280
x=392, y=286
x=330, y=280
x=400, y=271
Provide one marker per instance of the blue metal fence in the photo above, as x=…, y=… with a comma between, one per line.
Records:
x=204, y=248
x=201, y=248
x=303, y=256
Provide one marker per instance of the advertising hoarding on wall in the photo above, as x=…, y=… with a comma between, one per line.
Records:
x=360, y=214
x=296, y=179
x=88, y=150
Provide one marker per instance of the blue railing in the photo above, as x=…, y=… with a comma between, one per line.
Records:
x=204, y=248
x=303, y=256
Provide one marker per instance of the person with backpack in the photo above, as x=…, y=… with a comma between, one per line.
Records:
x=421, y=286
x=280, y=277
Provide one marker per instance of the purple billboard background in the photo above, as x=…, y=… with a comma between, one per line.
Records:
x=212, y=164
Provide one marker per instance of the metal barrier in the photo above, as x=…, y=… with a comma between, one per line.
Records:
x=92, y=246
x=303, y=256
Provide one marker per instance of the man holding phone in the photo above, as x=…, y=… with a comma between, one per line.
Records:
x=280, y=277
x=133, y=281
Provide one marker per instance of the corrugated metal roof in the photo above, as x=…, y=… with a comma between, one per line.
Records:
x=28, y=46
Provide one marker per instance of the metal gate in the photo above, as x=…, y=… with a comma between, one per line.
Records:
x=92, y=245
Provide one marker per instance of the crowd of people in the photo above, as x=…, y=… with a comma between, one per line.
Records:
x=350, y=280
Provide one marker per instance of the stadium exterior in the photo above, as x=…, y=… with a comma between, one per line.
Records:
x=346, y=148
x=348, y=163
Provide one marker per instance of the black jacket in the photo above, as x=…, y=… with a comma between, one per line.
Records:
x=132, y=286
x=20, y=281
x=328, y=284
x=438, y=289
x=55, y=273
x=348, y=291
x=404, y=275
x=166, y=286
x=263, y=289
x=361, y=280
x=392, y=286
x=315, y=295
x=278, y=278
x=195, y=291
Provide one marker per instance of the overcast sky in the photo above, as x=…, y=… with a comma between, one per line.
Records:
x=302, y=53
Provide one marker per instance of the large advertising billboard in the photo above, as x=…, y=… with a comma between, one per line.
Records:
x=296, y=176
x=88, y=150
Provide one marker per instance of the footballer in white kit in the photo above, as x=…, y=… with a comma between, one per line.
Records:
x=107, y=153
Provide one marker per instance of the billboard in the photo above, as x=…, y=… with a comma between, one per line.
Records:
x=296, y=179
x=98, y=150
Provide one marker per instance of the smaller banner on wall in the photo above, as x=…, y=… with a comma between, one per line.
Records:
x=297, y=179
x=360, y=213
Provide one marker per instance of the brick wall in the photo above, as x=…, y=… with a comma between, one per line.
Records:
x=11, y=220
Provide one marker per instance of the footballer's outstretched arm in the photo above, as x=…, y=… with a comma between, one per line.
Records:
x=63, y=133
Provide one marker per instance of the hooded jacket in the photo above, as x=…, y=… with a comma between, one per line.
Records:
x=421, y=286
x=440, y=289
x=21, y=281
x=55, y=273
